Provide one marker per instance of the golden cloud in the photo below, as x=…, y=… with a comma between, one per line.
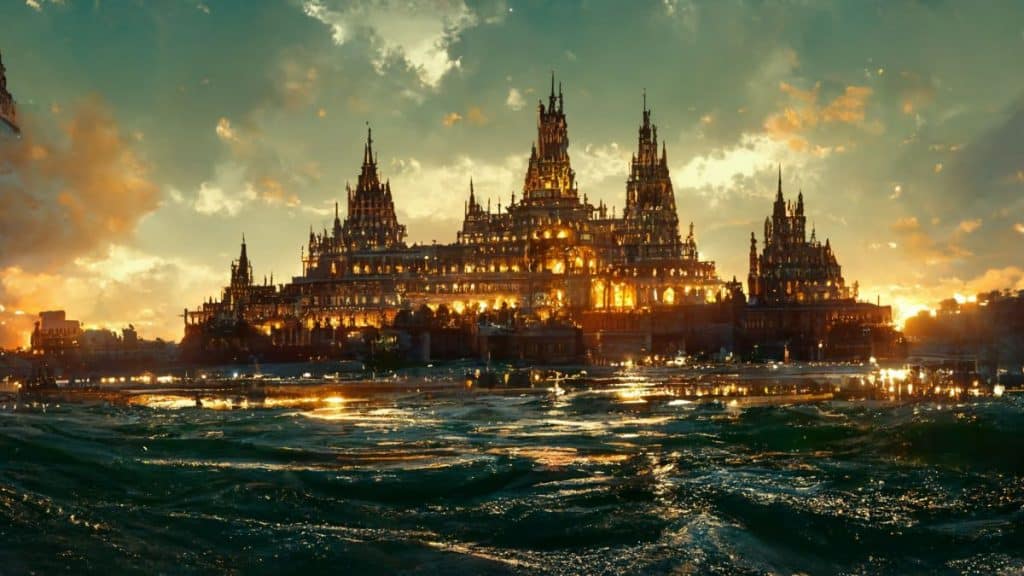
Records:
x=476, y=116
x=969, y=226
x=794, y=121
x=271, y=191
x=113, y=289
x=451, y=119
x=848, y=107
x=61, y=199
x=921, y=246
x=225, y=131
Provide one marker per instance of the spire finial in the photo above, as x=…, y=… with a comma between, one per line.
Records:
x=368, y=149
x=778, y=193
x=645, y=99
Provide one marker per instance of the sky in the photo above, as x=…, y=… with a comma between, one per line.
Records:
x=156, y=133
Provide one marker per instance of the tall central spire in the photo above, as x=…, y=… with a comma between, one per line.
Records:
x=549, y=177
x=370, y=222
x=652, y=222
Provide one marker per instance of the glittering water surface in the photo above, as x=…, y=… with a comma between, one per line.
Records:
x=591, y=482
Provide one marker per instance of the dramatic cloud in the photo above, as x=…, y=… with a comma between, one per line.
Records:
x=416, y=33
x=434, y=194
x=969, y=226
x=63, y=197
x=450, y=119
x=230, y=192
x=475, y=115
x=514, y=100
x=923, y=247
x=225, y=131
x=119, y=287
x=803, y=113
x=601, y=171
x=730, y=171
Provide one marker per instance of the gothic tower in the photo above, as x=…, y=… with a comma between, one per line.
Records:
x=8, y=112
x=241, y=269
x=650, y=217
x=371, y=223
x=791, y=268
x=550, y=179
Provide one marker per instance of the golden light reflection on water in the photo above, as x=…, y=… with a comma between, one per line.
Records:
x=557, y=456
x=377, y=417
x=221, y=402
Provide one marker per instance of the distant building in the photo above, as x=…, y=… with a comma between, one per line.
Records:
x=792, y=269
x=8, y=112
x=799, y=304
x=54, y=333
x=987, y=329
x=62, y=346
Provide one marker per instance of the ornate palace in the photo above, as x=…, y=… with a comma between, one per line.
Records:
x=549, y=272
x=550, y=253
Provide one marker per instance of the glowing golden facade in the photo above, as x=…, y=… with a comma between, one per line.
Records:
x=792, y=269
x=550, y=252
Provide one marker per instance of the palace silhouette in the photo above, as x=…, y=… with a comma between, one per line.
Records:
x=551, y=276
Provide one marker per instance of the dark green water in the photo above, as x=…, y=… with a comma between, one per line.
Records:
x=588, y=483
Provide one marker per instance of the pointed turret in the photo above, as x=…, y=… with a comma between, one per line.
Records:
x=241, y=269
x=336, y=231
x=368, y=157
x=551, y=96
x=779, y=207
